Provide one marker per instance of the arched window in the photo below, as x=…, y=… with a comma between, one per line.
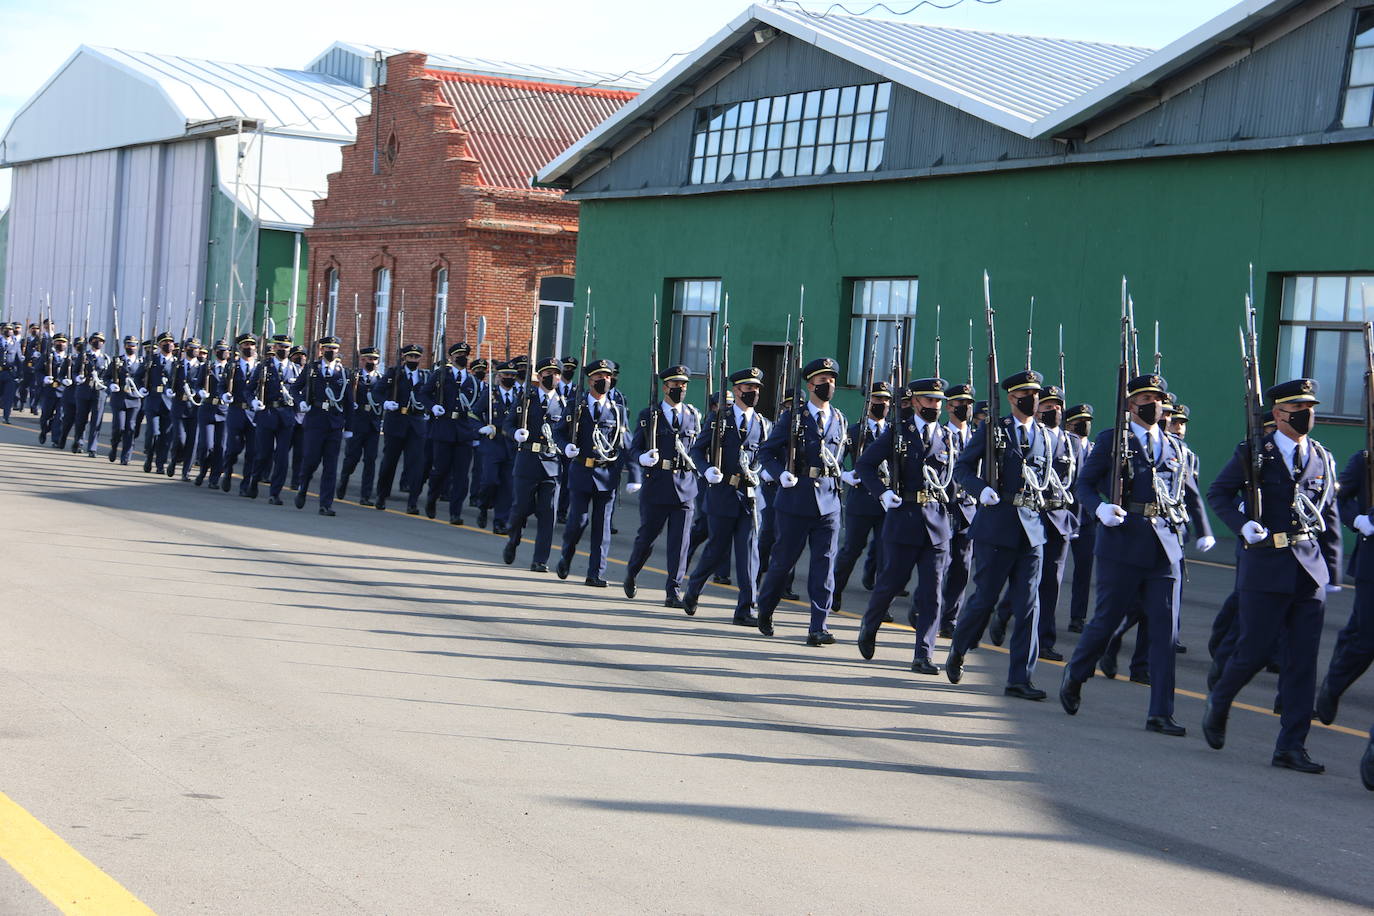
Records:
x=381, y=303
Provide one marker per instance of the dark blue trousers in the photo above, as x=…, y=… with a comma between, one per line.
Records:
x=1264, y=618
x=956, y=577
x=795, y=533
x=899, y=560
x=90, y=416
x=1355, y=643
x=210, y=447
x=652, y=519
x=1082, y=548
x=321, y=447
x=362, y=446
x=1054, y=554
x=535, y=496
x=412, y=445
x=1120, y=588
x=122, y=421
x=9, y=390
x=1017, y=568
x=595, y=506
x=726, y=534
x=857, y=530
x=498, y=490
x=239, y=437
x=450, y=475
x=273, y=443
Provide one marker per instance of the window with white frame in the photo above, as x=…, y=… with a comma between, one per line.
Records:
x=555, y=316
x=881, y=305
x=331, y=287
x=695, y=304
x=441, y=305
x=1359, y=83
x=1321, y=336
x=381, y=306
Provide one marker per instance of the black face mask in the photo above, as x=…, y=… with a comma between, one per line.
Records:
x=1027, y=403
x=507, y=382
x=749, y=398
x=824, y=392
x=548, y=381
x=959, y=412
x=675, y=394
x=600, y=385
x=1148, y=413
x=460, y=361
x=878, y=409
x=930, y=414
x=412, y=365
x=907, y=412
x=1301, y=421
x=1080, y=428
x=370, y=366
x=1050, y=418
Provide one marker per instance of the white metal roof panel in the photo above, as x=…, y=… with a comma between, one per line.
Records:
x=487, y=67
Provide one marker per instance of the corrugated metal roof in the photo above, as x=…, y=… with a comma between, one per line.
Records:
x=288, y=101
x=517, y=126
x=486, y=67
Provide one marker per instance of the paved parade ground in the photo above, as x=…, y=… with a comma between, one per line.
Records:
x=213, y=705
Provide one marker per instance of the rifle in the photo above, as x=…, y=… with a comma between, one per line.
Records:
x=1063, y=391
x=232, y=366
x=653, y=381
x=262, y=358
x=894, y=467
x=1121, y=440
x=937, y=343
x=508, y=334
x=534, y=370
x=580, y=401
x=47, y=343
x=1134, y=366
x=1254, y=426
x=1368, y=412
x=1030, y=333
x=869, y=372
x=357, y=349
x=441, y=364
x=992, y=463
x=794, y=426
x=1159, y=357
x=718, y=431
x=120, y=360
x=781, y=385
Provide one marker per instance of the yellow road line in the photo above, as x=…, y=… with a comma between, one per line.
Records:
x=67, y=878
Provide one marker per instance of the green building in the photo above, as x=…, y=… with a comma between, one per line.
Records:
x=886, y=165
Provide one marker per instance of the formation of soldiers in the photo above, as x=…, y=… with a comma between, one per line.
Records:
x=983, y=508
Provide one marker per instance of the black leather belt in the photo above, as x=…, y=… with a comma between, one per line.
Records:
x=536, y=448
x=596, y=463
x=1281, y=539
x=818, y=473
x=1149, y=510
x=921, y=497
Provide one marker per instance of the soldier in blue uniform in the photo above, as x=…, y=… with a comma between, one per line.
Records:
x=962, y=508
x=1078, y=421
x=70, y=387
x=51, y=395
x=184, y=409
x=568, y=390
x=451, y=392
x=212, y=411
x=1292, y=554
x=808, y=510
x=663, y=473
x=363, y=428
x=732, y=489
x=323, y=393
x=125, y=402
x=480, y=370
x=917, y=529
x=89, y=394
x=31, y=375
x=700, y=529
x=238, y=430
x=1008, y=532
x=1139, y=548
x=496, y=451
x=863, y=516
x=275, y=418
x=594, y=464
x=403, y=426
x=156, y=380
x=536, y=428
x=11, y=370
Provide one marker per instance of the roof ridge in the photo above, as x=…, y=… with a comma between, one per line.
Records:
x=534, y=85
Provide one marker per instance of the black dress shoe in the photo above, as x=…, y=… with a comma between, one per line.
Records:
x=888, y=618
x=1108, y=666
x=226, y=482
x=689, y=604
x=147, y=463
x=672, y=602
x=481, y=518
x=200, y=478
x=747, y=620
x=836, y=604
x=1070, y=694
x=1075, y=626
x=596, y=582
x=253, y=490
x=867, y=582
x=300, y=499
x=1025, y=692
x=274, y=501
x=998, y=631
x=1050, y=655
x=1180, y=648
x=1165, y=725
x=722, y=580
x=539, y=567
x=456, y=522
x=765, y=625
x=561, y=520
x=412, y=510
x=380, y=504
x=1367, y=766
x=1297, y=760
x=817, y=639
x=341, y=493
x=954, y=667
x=925, y=666
x=946, y=632
x=113, y=456
x=1214, y=725
x=1141, y=679
x=329, y=512
x=790, y=596
x=868, y=643
x=365, y=501
x=431, y=508
x=508, y=552
x=562, y=568
x=1328, y=703
x=500, y=529
x=630, y=588
x=614, y=530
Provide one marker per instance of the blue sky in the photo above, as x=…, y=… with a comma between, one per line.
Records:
x=613, y=35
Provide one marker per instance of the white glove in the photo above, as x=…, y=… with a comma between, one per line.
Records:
x=649, y=458
x=203, y=393
x=81, y=379
x=305, y=408
x=765, y=476
x=632, y=487
x=47, y=380
x=521, y=435
x=1332, y=589
x=390, y=405
x=438, y=410
x=890, y=500
x=98, y=386
x=488, y=430
x=713, y=475
x=989, y=497
x=143, y=392
x=66, y=383
x=1205, y=544
x=348, y=434
x=788, y=480
x=571, y=450
x=1253, y=532
x=850, y=478
x=257, y=405
x=1110, y=514
x=1364, y=526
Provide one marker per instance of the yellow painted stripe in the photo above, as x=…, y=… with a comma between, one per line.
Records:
x=67, y=878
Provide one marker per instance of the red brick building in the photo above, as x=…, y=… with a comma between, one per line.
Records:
x=432, y=210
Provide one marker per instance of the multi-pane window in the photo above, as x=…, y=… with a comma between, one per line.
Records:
x=1321, y=336
x=555, y=316
x=331, y=287
x=882, y=306
x=1359, y=86
x=805, y=133
x=695, y=304
x=381, y=304
x=441, y=305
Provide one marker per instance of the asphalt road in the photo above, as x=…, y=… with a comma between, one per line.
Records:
x=236, y=708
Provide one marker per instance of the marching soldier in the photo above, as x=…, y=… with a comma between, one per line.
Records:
x=212, y=412
x=536, y=428
x=808, y=513
x=451, y=390
x=602, y=433
x=11, y=370
x=1292, y=554
x=125, y=401
x=917, y=530
x=962, y=508
x=363, y=427
x=1008, y=532
x=496, y=451
x=323, y=394
x=29, y=379
x=184, y=411
x=239, y=434
x=768, y=529
x=568, y=390
x=732, y=488
x=863, y=515
x=90, y=394
x=156, y=380
x=480, y=370
x=53, y=368
x=663, y=467
x=274, y=413
x=403, y=426
x=1078, y=421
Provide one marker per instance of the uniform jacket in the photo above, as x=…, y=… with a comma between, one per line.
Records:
x=538, y=457
x=93, y=366
x=861, y=499
x=728, y=499
x=611, y=434
x=413, y=412
x=1004, y=523
x=820, y=449
x=1067, y=461
x=330, y=396
x=123, y=369
x=499, y=448
x=367, y=410
x=914, y=523
x=1355, y=501
x=677, y=483
x=458, y=396
x=962, y=505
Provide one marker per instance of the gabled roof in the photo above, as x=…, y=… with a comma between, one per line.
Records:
x=1011, y=81
x=485, y=67
x=518, y=125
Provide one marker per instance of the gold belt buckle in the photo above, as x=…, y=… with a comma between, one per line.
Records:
x=589, y=462
x=536, y=447
x=666, y=464
x=159, y=389
x=1281, y=539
